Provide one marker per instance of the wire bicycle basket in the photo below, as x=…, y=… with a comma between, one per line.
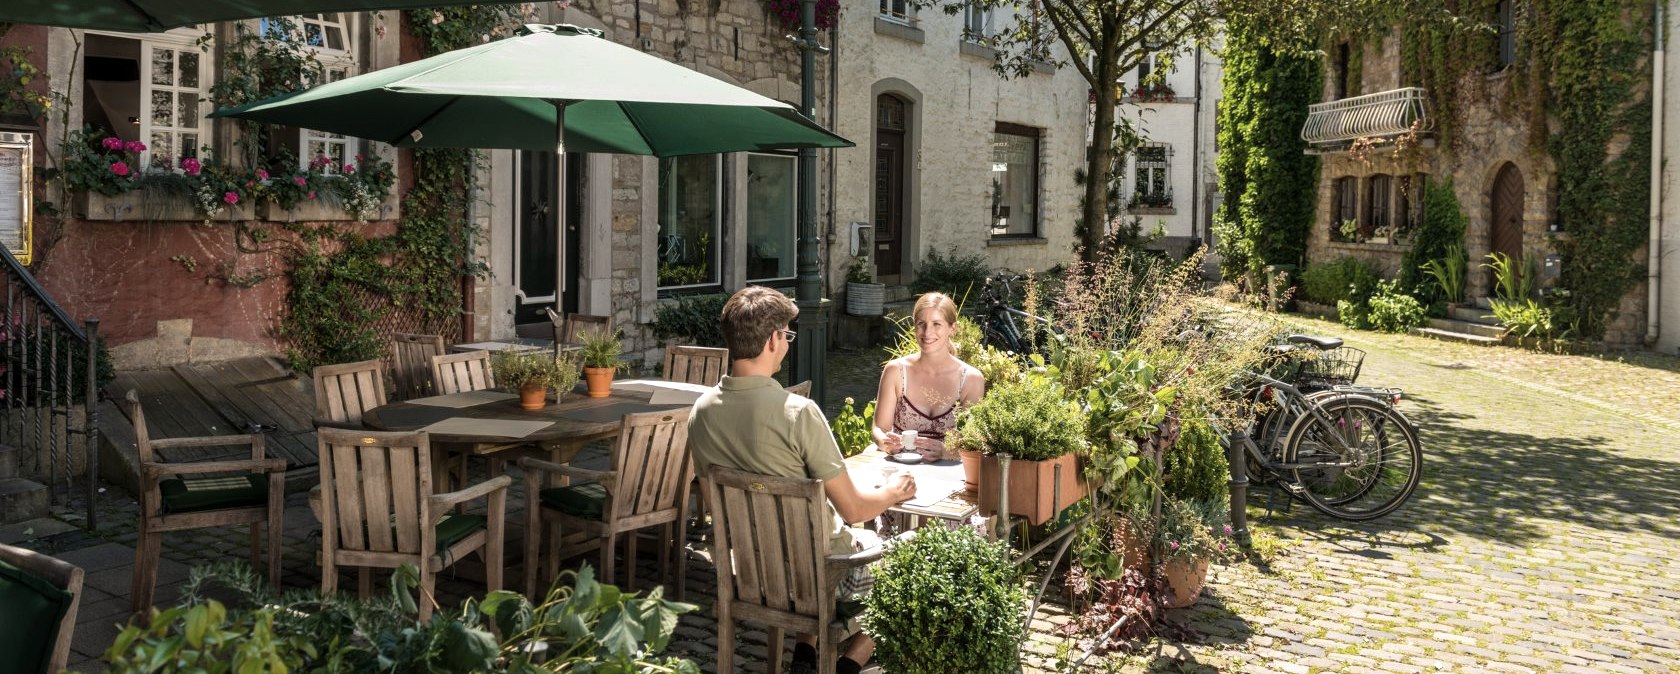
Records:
x=1336, y=367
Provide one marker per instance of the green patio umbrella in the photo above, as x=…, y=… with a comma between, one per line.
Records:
x=142, y=16
x=550, y=87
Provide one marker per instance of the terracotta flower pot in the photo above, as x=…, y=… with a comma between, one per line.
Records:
x=1185, y=578
x=600, y=380
x=533, y=396
x=971, y=470
x=1033, y=490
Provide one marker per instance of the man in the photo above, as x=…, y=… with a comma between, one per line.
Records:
x=749, y=423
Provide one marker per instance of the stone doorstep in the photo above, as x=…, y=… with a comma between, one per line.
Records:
x=1468, y=327
x=21, y=500
x=1451, y=336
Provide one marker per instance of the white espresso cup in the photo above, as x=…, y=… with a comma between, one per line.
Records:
x=907, y=441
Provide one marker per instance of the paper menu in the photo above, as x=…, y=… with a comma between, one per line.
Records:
x=464, y=399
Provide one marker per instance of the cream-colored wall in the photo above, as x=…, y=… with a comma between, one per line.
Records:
x=1668, y=336
x=958, y=100
x=1175, y=122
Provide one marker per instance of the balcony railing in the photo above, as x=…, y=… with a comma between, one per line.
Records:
x=1375, y=116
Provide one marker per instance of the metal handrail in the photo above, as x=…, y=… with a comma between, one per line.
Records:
x=1379, y=115
x=39, y=294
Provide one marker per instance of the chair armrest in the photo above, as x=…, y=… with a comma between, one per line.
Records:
x=153, y=470
x=869, y=555
x=207, y=441
x=607, y=479
x=323, y=422
x=442, y=502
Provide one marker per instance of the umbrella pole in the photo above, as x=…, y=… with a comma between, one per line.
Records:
x=560, y=224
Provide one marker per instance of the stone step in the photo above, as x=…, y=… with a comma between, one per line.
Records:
x=899, y=294
x=1471, y=314
x=21, y=500
x=1468, y=327
x=1450, y=336
x=8, y=462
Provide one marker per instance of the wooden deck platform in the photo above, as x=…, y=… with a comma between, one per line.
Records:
x=227, y=398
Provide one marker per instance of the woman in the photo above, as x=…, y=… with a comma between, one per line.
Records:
x=921, y=392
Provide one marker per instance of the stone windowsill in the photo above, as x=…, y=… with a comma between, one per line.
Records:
x=903, y=31
x=971, y=48
x=1043, y=67
x=1133, y=100
x=1368, y=246
x=1147, y=210
x=1017, y=241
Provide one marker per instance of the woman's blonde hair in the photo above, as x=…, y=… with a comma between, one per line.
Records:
x=938, y=302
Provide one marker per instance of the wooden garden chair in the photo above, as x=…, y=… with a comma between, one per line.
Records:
x=773, y=566
x=411, y=364
x=646, y=486
x=194, y=495
x=458, y=372
x=695, y=364
x=378, y=510
x=578, y=325
x=39, y=596
x=344, y=392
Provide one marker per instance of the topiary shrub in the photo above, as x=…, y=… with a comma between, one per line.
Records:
x=1195, y=467
x=1331, y=282
x=946, y=601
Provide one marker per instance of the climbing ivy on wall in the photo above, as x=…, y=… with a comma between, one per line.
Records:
x=342, y=283
x=1580, y=79
x=1269, y=182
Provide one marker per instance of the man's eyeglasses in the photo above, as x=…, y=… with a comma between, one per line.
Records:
x=788, y=334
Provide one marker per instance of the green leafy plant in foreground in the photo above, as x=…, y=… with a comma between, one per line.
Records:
x=852, y=429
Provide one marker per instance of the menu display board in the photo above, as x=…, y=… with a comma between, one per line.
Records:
x=16, y=162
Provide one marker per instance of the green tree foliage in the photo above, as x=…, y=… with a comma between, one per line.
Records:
x=1439, y=235
x=1269, y=182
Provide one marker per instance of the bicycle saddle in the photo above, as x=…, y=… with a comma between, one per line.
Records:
x=1321, y=343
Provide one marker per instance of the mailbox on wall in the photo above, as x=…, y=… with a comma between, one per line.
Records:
x=17, y=162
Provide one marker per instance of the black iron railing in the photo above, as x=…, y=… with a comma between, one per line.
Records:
x=49, y=378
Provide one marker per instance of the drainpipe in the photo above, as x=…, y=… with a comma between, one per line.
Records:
x=1653, y=263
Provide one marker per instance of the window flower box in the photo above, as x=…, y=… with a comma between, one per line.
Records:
x=149, y=206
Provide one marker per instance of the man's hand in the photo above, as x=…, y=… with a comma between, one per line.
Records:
x=902, y=487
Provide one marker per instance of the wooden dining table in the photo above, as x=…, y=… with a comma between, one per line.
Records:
x=939, y=486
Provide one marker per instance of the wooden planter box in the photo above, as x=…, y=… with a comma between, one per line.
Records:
x=308, y=210
x=144, y=206
x=1032, y=487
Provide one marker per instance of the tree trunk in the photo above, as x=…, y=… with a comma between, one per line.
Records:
x=1097, y=168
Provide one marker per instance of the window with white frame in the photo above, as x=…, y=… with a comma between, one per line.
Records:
x=329, y=36
x=770, y=216
x=150, y=89
x=1015, y=157
x=896, y=10
x=977, y=23
x=1153, y=169
x=690, y=221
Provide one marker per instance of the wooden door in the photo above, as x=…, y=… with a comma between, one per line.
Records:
x=889, y=186
x=1505, y=232
x=546, y=256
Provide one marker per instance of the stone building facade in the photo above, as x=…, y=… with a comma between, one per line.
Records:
x=950, y=156
x=1369, y=199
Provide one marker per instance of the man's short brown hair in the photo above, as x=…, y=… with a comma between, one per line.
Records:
x=750, y=316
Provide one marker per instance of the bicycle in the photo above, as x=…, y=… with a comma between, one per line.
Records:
x=1001, y=325
x=1343, y=449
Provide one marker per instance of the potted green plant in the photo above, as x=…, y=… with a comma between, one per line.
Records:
x=864, y=297
x=1185, y=542
x=1041, y=432
x=851, y=428
x=600, y=353
x=531, y=375
x=946, y=601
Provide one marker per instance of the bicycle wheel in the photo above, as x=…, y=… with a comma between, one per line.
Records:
x=1360, y=461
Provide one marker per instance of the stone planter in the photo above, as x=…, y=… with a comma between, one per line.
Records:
x=148, y=206
x=1038, y=490
x=1185, y=578
x=865, y=299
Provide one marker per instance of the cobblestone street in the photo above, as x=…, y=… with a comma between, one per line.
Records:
x=1544, y=537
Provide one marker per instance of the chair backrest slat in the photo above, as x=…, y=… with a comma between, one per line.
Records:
x=344, y=392
x=376, y=481
x=772, y=540
x=411, y=364
x=142, y=437
x=651, y=459
x=695, y=364
x=577, y=325
x=458, y=372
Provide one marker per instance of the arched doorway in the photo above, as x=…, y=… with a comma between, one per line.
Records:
x=1505, y=230
x=891, y=113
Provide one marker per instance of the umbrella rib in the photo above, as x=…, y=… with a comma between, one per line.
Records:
x=425, y=121
x=631, y=115
x=151, y=21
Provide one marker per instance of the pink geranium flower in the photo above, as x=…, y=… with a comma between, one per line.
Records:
x=262, y=174
x=112, y=143
x=349, y=168
x=134, y=146
x=231, y=197
x=300, y=180
x=311, y=195
x=191, y=166
x=119, y=168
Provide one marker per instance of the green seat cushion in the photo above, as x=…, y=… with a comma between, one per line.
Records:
x=587, y=500
x=193, y=494
x=30, y=609
x=452, y=528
